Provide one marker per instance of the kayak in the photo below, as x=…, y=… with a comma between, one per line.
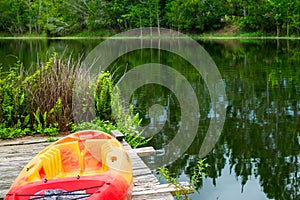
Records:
x=83, y=165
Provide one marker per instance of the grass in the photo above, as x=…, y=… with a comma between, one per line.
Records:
x=38, y=100
x=239, y=35
x=85, y=34
x=101, y=34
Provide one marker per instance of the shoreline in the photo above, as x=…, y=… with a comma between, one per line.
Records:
x=193, y=36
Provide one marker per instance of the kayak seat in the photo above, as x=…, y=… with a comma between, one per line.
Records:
x=93, y=159
x=71, y=158
x=51, y=165
x=115, y=158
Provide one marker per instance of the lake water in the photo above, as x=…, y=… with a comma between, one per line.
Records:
x=258, y=153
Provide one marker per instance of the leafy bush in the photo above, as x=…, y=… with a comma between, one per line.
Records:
x=14, y=113
x=103, y=96
x=127, y=122
x=96, y=124
x=198, y=172
x=39, y=103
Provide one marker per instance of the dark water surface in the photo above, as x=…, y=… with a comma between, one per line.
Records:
x=258, y=153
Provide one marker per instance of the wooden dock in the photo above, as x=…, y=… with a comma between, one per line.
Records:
x=15, y=154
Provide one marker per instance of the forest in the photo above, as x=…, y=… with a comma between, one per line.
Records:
x=279, y=18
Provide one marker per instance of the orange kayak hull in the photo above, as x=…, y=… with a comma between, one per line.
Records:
x=84, y=165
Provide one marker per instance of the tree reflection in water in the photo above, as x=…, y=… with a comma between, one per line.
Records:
x=260, y=138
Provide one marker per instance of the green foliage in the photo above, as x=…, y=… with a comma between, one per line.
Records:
x=51, y=139
x=12, y=132
x=127, y=122
x=49, y=89
x=25, y=105
x=34, y=105
x=96, y=124
x=165, y=174
x=252, y=34
x=65, y=17
x=40, y=125
x=198, y=172
x=13, y=102
x=103, y=97
x=134, y=140
x=14, y=114
x=41, y=104
x=196, y=16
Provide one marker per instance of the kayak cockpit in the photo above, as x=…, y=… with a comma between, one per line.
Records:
x=89, y=161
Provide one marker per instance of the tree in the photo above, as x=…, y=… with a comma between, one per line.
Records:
x=196, y=15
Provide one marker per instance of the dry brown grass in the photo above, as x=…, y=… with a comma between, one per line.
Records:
x=50, y=90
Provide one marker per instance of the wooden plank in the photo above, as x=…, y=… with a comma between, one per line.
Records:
x=166, y=196
x=138, y=165
x=14, y=158
x=142, y=180
x=145, y=151
x=141, y=172
x=23, y=142
x=3, y=192
x=145, y=180
x=160, y=196
x=182, y=188
x=117, y=134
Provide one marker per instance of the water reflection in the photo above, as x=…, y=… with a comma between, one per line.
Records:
x=258, y=153
x=259, y=146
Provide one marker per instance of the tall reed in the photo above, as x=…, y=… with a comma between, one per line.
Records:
x=50, y=90
x=41, y=100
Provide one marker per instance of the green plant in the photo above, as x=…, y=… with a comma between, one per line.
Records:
x=56, y=117
x=198, y=172
x=50, y=89
x=127, y=122
x=165, y=173
x=38, y=125
x=51, y=139
x=42, y=127
x=40, y=102
x=49, y=92
x=12, y=132
x=103, y=96
x=95, y=124
x=136, y=140
x=14, y=113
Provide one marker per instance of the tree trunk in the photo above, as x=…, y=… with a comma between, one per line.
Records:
x=244, y=9
x=157, y=17
x=150, y=12
x=288, y=28
x=40, y=12
x=141, y=33
x=278, y=31
x=30, y=25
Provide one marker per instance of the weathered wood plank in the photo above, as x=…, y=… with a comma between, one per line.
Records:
x=145, y=178
x=141, y=172
x=17, y=153
x=117, y=134
x=145, y=151
x=22, y=142
x=160, y=196
x=182, y=188
x=3, y=193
